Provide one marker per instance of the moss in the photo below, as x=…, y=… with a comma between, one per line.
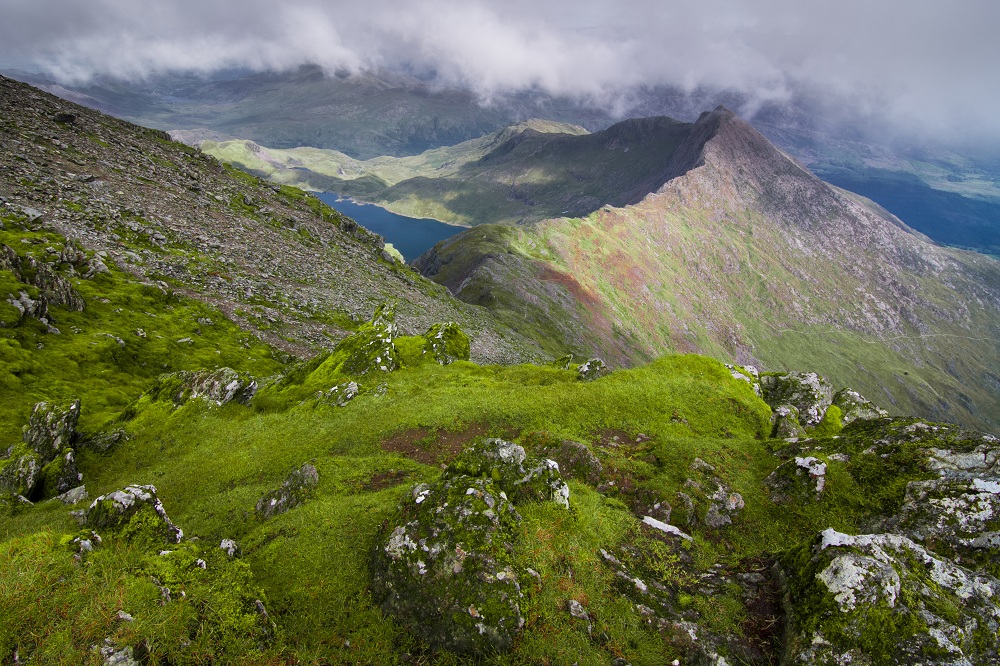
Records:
x=831, y=424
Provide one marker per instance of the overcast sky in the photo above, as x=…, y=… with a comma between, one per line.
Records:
x=925, y=66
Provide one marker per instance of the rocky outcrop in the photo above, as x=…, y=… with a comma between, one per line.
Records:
x=444, y=568
x=219, y=387
x=293, y=491
x=45, y=464
x=575, y=461
x=51, y=428
x=801, y=479
x=807, y=392
x=881, y=598
x=370, y=348
x=116, y=510
x=592, y=369
x=854, y=406
x=707, y=499
x=446, y=343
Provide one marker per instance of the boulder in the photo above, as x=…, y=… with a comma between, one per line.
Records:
x=786, y=422
x=115, y=510
x=881, y=598
x=446, y=343
x=521, y=477
x=61, y=475
x=806, y=391
x=293, y=491
x=370, y=348
x=592, y=369
x=800, y=479
x=444, y=570
x=21, y=474
x=854, y=406
x=219, y=386
x=51, y=428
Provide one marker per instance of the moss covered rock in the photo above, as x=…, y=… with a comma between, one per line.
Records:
x=51, y=428
x=592, y=369
x=800, y=479
x=748, y=374
x=883, y=599
x=116, y=510
x=219, y=386
x=370, y=348
x=786, y=422
x=293, y=491
x=806, y=391
x=446, y=343
x=854, y=406
x=444, y=570
x=61, y=475
x=21, y=472
x=521, y=477
x=575, y=460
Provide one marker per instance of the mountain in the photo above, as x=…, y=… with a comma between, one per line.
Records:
x=276, y=260
x=176, y=488
x=949, y=192
x=745, y=254
x=525, y=172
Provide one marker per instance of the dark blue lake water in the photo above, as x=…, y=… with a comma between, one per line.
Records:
x=412, y=236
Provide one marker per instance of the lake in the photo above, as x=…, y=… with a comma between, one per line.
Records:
x=412, y=236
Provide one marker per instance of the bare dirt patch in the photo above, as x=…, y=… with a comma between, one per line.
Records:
x=435, y=446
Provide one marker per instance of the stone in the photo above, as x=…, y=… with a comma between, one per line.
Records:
x=443, y=568
x=748, y=374
x=220, y=386
x=229, y=547
x=51, y=428
x=809, y=393
x=801, y=479
x=74, y=496
x=61, y=475
x=370, y=348
x=341, y=394
x=293, y=491
x=506, y=463
x=882, y=598
x=786, y=422
x=592, y=369
x=723, y=504
x=116, y=509
x=854, y=406
x=21, y=474
x=446, y=343
x=665, y=528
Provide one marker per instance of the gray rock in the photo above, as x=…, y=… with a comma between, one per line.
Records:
x=116, y=509
x=521, y=477
x=51, y=428
x=341, y=394
x=220, y=386
x=592, y=369
x=229, y=547
x=446, y=343
x=442, y=570
x=21, y=474
x=786, y=422
x=854, y=406
x=809, y=393
x=74, y=496
x=61, y=475
x=881, y=598
x=294, y=491
x=748, y=374
x=801, y=479
x=118, y=656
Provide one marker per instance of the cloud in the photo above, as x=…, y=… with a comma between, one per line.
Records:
x=921, y=65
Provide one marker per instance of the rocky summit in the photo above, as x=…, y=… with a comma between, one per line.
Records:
x=177, y=487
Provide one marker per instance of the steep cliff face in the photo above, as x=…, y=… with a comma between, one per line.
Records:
x=274, y=259
x=744, y=254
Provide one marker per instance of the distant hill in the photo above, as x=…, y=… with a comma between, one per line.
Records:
x=745, y=254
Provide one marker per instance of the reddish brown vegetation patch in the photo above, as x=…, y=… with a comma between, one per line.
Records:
x=384, y=480
x=437, y=447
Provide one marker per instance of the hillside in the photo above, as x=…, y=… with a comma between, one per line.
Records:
x=174, y=490
x=951, y=193
x=278, y=262
x=524, y=172
x=746, y=255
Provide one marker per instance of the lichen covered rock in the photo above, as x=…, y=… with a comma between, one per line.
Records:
x=116, y=509
x=521, y=477
x=786, y=422
x=854, y=406
x=575, y=460
x=51, y=428
x=806, y=391
x=800, y=479
x=219, y=386
x=446, y=343
x=748, y=374
x=370, y=348
x=444, y=570
x=592, y=369
x=61, y=475
x=293, y=491
x=705, y=489
x=883, y=599
x=20, y=474
x=340, y=395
